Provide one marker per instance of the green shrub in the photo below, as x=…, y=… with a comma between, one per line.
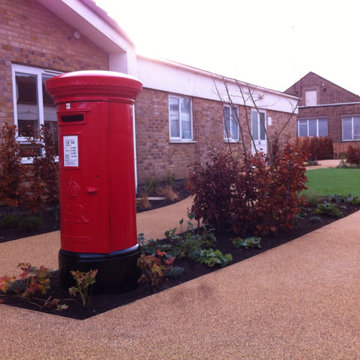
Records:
x=30, y=223
x=10, y=221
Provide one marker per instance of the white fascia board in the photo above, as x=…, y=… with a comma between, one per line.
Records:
x=189, y=81
x=101, y=33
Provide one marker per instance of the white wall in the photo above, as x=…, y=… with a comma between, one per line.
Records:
x=182, y=79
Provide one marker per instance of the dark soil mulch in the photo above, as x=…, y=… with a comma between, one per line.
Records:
x=179, y=187
x=50, y=223
x=107, y=301
x=51, y=219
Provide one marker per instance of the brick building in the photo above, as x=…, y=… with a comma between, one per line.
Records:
x=181, y=112
x=326, y=109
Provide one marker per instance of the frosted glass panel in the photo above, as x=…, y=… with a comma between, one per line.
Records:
x=254, y=125
x=347, y=129
x=312, y=128
x=174, y=118
x=186, y=119
x=323, y=127
x=356, y=126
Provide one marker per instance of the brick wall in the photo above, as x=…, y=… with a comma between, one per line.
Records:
x=334, y=115
x=327, y=92
x=340, y=149
x=32, y=35
x=157, y=156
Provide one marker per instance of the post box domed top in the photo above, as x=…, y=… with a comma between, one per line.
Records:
x=93, y=85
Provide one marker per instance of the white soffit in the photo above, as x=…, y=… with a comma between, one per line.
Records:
x=89, y=24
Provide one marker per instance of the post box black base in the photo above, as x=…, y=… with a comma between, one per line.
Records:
x=116, y=271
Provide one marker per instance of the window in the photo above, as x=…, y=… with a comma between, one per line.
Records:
x=231, y=123
x=311, y=98
x=33, y=106
x=180, y=118
x=258, y=126
x=312, y=127
x=351, y=128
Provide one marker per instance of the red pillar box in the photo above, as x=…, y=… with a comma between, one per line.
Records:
x=97, y=182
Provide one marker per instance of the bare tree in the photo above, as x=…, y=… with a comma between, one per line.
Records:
x=248, y=97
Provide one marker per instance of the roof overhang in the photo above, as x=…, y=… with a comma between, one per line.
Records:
x=92, y=22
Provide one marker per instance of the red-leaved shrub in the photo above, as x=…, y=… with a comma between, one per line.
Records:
x=43, y=174
x=247, y=193
x=352, y=155
x=11, y=168
x=317, y=148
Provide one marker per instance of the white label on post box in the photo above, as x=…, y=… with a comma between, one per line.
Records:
x=71, y=151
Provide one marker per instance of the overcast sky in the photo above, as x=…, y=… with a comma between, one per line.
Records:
x=270, y=43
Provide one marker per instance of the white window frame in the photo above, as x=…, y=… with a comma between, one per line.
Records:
x=258, y=115
x=352, y=117
x=180, y=139
x=228, y=135
x=307, y=127
x=38, y=72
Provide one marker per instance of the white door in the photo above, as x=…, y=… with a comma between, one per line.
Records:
x=258, y=126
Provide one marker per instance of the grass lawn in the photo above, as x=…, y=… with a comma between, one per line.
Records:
x=334, y=181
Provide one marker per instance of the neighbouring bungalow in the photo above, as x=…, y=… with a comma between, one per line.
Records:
x=326, y=109
x=181, y=113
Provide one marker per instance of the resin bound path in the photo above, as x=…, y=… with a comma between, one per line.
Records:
x=297, y=301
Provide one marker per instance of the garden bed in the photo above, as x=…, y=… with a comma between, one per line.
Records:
x=110, y=300
x=50, y=220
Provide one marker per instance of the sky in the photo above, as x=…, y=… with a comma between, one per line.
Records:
x=269, y=43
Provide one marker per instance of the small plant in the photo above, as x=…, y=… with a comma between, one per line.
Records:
x=31, y=223
x=143, y=202
x=343, y=165
x=30, y=284
x=36, y=280
x=327, y=208
x=316, y=219
x=152, y=185
x=169, y=179
x=250, y=242
x=191, y=241
x=350, y=199
x=84, y=281
x=155, y=268
x=311, y=198
x=312, y=162
x=153, y=246
x=337, y=198
x=10, y=221
x=211, y=257
x=169, y=193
